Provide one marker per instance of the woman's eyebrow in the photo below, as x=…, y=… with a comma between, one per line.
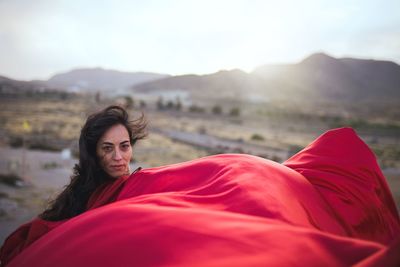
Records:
x=107, y=143
x=111, y=144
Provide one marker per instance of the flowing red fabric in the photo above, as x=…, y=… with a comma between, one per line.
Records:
x=329, y=205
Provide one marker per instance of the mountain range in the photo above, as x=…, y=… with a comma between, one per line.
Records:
x=319, y=77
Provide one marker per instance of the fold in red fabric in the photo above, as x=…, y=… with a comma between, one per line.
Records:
x=29, y=232
x=329, y=205
x=343, y=169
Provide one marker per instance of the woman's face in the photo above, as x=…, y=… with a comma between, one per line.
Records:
x=114, y=151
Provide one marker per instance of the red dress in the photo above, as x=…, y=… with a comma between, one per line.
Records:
x=329, y=205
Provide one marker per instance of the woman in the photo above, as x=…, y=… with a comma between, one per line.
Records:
x=105, y=151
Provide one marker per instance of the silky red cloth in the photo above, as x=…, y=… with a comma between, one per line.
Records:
x=26, y=234
x=344, y=171
x=329, y=205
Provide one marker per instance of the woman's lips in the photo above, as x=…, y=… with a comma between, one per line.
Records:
x=118, y=167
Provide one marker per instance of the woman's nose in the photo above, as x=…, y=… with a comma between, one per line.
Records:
x=117, y=154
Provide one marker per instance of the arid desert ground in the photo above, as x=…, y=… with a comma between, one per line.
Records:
x=39, y=143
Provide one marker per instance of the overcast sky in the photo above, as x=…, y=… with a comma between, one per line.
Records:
x=39, y=38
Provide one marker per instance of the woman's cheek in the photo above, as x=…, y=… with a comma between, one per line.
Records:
x=103, y=161
x=128, y=157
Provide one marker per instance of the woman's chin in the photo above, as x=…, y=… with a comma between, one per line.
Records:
x=119, y=174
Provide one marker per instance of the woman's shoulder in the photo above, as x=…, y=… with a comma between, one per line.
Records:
x=107, y=192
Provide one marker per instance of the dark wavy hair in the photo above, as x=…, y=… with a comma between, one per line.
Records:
x=87, y=174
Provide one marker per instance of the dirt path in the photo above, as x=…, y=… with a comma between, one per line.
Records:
x=47, y=172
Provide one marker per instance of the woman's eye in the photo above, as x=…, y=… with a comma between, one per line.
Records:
x=107, y=149
x=125, y=146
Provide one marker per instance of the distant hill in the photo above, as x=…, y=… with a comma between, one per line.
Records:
x=318, y=77
x=323, y=76
x=98, y=79
x=10, y=86
x=233, y=84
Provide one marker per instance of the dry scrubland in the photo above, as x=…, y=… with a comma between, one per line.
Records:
x=55, y=124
